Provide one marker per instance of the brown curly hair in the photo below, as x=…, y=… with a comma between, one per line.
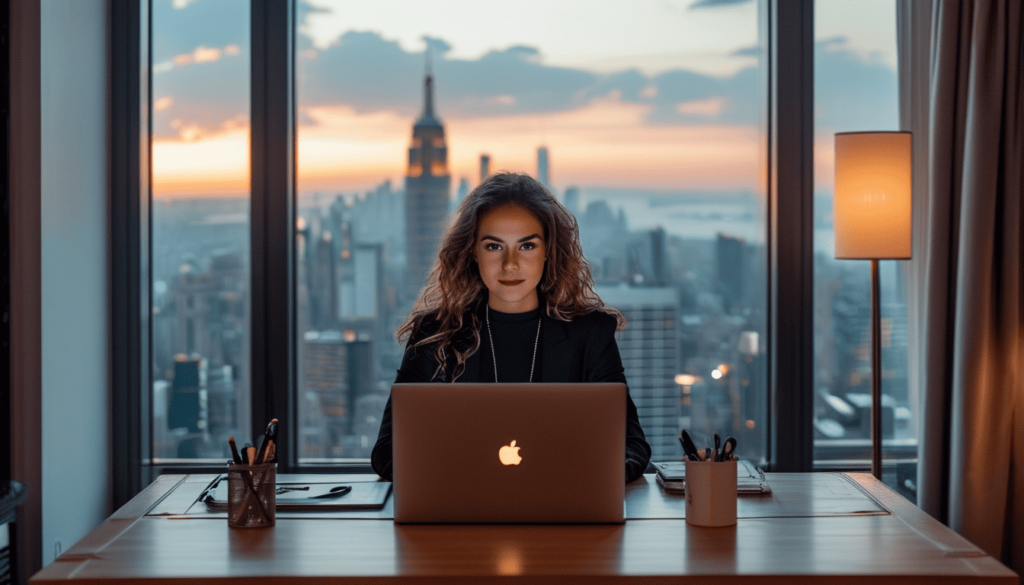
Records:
x=454, y=284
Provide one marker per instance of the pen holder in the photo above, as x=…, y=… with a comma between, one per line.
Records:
x=711, y=493
x=252, y=495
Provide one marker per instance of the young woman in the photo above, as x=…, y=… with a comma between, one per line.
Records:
x=511, y=299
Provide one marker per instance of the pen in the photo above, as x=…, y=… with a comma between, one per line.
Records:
x=729, y=449
x=268, y=435
x=234, y=451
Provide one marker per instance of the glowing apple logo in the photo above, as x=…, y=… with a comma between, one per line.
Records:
x=509, y=454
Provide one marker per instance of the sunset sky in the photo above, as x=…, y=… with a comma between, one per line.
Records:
x=661, y=96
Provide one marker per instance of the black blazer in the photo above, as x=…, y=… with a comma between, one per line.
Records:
x=581, y=350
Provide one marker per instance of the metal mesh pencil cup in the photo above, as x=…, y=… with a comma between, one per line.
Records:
x=252, y=495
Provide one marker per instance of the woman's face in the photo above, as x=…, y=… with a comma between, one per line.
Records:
x=510, y=251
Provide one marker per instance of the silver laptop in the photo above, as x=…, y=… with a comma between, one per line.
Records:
x=527, y=453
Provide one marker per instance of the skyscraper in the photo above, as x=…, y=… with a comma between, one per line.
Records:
x=730, y=255
x=543, y=169
x=485, y=166
x=650, y=356
x=427, y=184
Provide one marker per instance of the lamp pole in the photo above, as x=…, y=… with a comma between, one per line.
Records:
x=876, y=373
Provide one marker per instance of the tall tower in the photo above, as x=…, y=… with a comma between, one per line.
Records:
x=427, y=184
x=543, y=170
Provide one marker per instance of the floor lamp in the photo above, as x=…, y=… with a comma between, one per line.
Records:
x=872, y=222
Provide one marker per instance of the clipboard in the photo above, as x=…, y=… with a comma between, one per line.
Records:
x=367, y=495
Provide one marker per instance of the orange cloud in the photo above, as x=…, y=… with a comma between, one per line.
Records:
x=204, y=55
x=605, y=143
x=213, y=165
x=162, y=104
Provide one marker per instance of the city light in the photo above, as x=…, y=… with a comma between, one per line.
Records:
x=716, y=374
x=686, y=379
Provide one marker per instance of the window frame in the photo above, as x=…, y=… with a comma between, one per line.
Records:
x=789, y=25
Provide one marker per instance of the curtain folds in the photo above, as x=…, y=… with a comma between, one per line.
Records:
x=962, y=87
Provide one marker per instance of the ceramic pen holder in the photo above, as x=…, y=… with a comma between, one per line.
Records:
x=711, y=493
x=252, y=495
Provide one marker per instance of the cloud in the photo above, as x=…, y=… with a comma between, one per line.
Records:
x=370, y=74
x=715, y=3
x=754, y=51
x=209, y=23
x=853, y=92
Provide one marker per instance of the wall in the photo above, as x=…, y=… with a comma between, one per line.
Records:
x=75, y=315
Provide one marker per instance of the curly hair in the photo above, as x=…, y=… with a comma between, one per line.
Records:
x=454, y=284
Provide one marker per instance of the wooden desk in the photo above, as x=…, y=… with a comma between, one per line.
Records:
x=827, y=534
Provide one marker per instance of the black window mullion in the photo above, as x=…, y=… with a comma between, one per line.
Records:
x=272, y=219
x=129, y=245
x=791, y=235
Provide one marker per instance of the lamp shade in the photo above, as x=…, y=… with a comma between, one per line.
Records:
x=872, y=195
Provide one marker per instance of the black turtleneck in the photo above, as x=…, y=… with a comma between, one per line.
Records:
x=515, y=343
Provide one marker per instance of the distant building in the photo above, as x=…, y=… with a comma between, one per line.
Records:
x=485, y=166
x=210, y=310
x=427, y=185
x=572, y=200
x=362, y=282
x=543, y=167
x=323, y=283
x=659, y=260
x=650, y=356
x=187, y=406
x=731, y=253
x=336, y=370
x=461, y=193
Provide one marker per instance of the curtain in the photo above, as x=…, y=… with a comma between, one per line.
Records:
x=962, y=88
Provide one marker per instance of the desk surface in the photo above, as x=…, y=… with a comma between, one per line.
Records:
x=823, y=532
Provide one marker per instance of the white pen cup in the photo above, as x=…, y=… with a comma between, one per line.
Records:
x=711, y=493
x=252, y=495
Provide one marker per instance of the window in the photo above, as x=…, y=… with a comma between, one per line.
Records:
x=652, y=137
x=654, y=127
x=856, y=90
x=200, y=228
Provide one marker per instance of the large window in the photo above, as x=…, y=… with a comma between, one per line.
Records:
x=200, y=227
x=647, y=123
x=650, y=124
x=856, y=90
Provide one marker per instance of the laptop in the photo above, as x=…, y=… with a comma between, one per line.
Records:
x=509, y=453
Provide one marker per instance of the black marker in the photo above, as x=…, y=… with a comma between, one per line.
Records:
x=688, y=446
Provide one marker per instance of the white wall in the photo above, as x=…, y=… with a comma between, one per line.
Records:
x=76, y=484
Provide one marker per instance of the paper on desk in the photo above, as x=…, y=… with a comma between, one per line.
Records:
x=749, y=479
x=364, y=496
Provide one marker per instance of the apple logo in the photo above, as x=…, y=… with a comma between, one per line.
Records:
x=509, y=454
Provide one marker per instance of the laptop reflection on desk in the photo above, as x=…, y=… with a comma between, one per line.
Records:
x=509, y=453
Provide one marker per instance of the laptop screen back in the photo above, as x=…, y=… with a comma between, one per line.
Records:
x=455, y=461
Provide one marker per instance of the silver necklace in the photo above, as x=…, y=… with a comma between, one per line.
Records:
x=494, y=356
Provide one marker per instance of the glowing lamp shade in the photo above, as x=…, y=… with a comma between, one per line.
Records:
x=872, y=195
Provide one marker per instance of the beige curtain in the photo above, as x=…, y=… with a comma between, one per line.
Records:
x=962, y=95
